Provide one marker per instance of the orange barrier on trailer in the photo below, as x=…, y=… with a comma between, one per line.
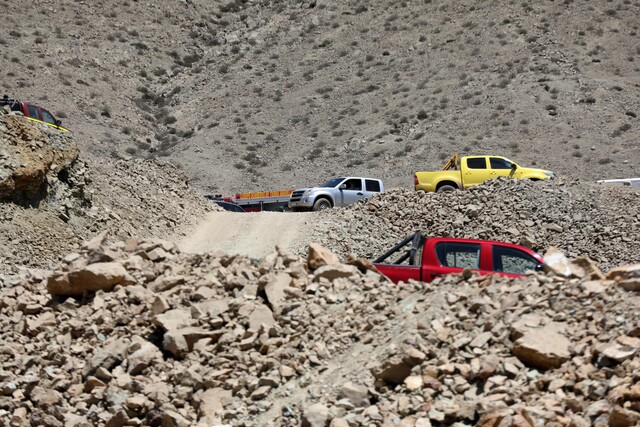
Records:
x=263, y=194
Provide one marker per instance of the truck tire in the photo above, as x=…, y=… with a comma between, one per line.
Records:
x=446, y=189
x=321, y=204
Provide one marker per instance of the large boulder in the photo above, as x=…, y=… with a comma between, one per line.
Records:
x=543, y=348
x=357, y=395
x=275, y=290
x=627, y=276
x=174, y=319
x=144, y=355
x=212, y=404
x=316, y=415
x=335, y=271
x=557, y=263
x=181, y=341
x=101, y=276
x=319, y=256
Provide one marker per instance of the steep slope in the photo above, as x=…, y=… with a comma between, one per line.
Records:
x=250, y=95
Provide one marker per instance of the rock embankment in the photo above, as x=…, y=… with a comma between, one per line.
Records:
x=52, y=199
x=583, y=219
x=31, y=156
x=136, y=333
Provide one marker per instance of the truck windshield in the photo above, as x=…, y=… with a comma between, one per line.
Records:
x=48, y=118
x=332, y=183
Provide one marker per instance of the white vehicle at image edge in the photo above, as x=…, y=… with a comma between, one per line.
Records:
x=341, y=191
x=627, y=182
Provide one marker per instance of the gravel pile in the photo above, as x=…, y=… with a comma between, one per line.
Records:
x=601, y=222
x=136, y=333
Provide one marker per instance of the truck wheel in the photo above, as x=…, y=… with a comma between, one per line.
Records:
x=321, y=204
x=446, y=189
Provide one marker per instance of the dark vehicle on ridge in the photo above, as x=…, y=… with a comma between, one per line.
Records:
x=33, y=112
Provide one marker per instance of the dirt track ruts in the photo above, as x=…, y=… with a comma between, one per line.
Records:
x=253, y=233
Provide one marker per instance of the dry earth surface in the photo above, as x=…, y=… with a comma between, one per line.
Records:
x=254, y=234
x=127, y=299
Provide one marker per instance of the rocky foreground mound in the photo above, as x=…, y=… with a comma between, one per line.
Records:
x=52, y=198
x=137, y=333
x=601, y=222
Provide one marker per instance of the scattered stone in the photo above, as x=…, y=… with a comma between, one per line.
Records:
x=95, y=277
x=316, y=415
x=357, y=395
x=542, y=348
x=358, y=349
x=557, y=263
x=318, y=256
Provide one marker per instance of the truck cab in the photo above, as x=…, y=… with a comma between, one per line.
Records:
x=460, y=173
x=425, y=258
x=341, y=191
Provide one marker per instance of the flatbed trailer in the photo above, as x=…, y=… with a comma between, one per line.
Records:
x=269, y=201
x=273, y=201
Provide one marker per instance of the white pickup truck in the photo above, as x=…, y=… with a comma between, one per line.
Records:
x=335, y=192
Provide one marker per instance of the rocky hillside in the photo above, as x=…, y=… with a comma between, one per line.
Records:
x=53, y=198
x=138, y=334
x=598, y=221
x=259, y=95
x=105, y=322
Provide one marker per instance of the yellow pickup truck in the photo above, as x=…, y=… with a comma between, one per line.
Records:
x=463, y=172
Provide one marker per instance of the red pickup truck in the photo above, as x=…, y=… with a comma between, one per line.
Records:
x=424, y=258
x=33, y=112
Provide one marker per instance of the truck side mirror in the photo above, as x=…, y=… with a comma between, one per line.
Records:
x=343, y=186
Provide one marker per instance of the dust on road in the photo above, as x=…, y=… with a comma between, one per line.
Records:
x=253, y=233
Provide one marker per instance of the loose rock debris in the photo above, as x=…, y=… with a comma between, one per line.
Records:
x=154, y=337
x=582, y=219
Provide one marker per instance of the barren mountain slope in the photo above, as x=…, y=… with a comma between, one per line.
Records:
x=257, y=95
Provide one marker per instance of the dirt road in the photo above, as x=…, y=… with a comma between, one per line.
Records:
x=254, y=233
